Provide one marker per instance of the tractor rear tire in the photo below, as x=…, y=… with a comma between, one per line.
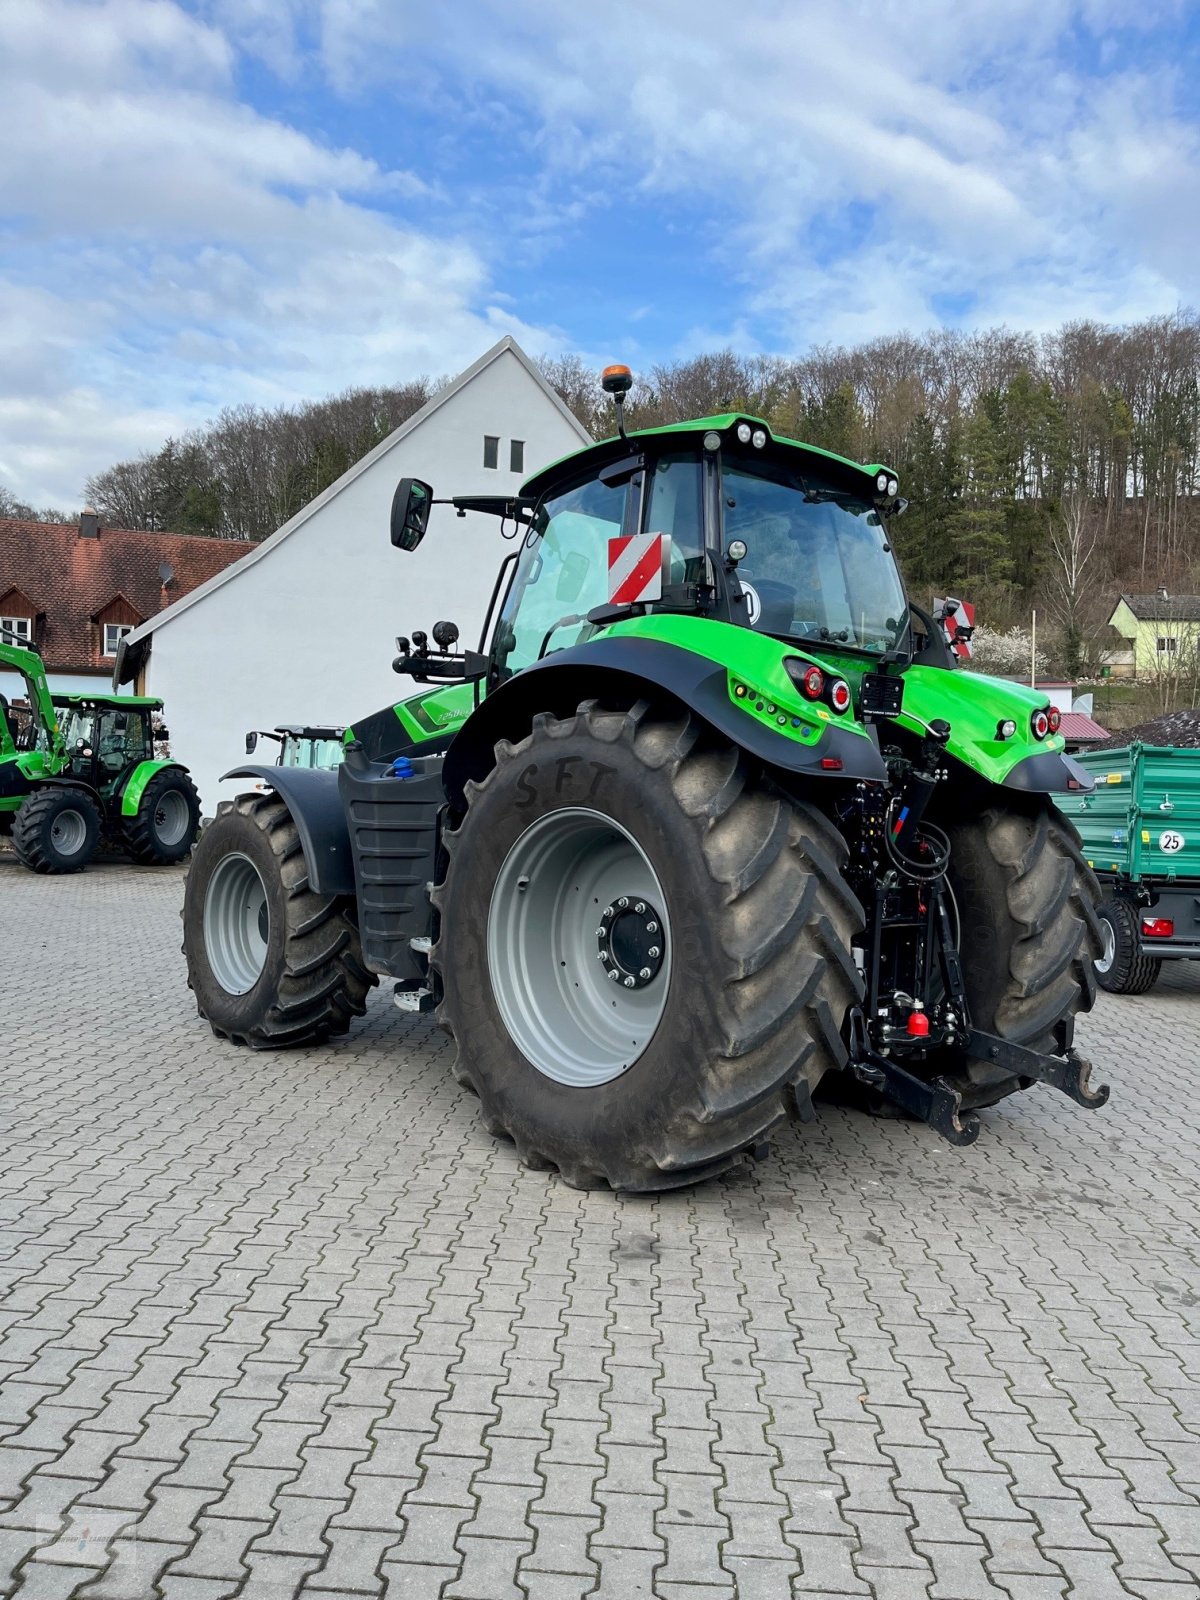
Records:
x=270, y=961
x=57, y=829
x=1027, y=906
x=164, y=827
x=1122, y=968
x=641, y=840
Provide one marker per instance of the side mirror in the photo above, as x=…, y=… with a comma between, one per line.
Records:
x=251, y=742
x=163, y=733
x=411, y=505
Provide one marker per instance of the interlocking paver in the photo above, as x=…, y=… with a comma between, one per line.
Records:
x=295, y=1324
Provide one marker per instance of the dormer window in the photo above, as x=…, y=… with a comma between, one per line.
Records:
x=114, y=632
x=16, y=630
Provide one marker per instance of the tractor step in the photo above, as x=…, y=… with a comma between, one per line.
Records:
x=414, y=999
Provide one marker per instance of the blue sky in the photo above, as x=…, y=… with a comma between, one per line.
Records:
x=216, y=202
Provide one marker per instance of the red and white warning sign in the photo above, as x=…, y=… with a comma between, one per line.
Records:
x=635, y=567
x=958, y=620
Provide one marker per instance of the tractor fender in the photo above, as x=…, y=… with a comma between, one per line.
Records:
x=64, y=780
x=623, y=665
x=1049, y=772
x=311, y=796
x=135, y=787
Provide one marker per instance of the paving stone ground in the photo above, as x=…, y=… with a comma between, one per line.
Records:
x=294, y=1324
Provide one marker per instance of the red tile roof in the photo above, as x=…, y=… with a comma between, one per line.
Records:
x=75, y=584
x=1077, y=727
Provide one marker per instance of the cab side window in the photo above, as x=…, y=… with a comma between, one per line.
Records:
x=563, y=574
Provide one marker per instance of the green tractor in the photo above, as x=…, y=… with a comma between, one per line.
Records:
x=711, y=817
x=78, y=768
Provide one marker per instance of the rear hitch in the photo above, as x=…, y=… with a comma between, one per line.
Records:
x=1065, y=1070
x=935, y=1103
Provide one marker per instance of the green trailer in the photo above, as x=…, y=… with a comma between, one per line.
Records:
x=1140, y=828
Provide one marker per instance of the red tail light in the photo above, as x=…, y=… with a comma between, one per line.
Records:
x=831, y=763
x=1157, y=927
x=813, y=682
x=839, y=695
x=1054, y=717
x=1040, y=723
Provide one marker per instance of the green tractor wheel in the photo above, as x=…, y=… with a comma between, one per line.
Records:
x=164, y=827
x=57, y=829
x=270, y=961
x=646, y=957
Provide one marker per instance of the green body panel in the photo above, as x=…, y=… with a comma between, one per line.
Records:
x=131, y=796
x=718, y=424
x=749, y=658
x=1144, y=795
x=974, y=704
x=434, y=712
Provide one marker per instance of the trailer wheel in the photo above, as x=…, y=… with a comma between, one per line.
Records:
x=164, y=827
x=270, y=961
x=644, y=948
x=1121, y=968
x=57, y=829
x=1027, y=901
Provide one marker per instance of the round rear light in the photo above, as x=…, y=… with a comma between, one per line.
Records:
x=1040, y=722
x=813, y=682
x=1055, y=719
x=839, y=695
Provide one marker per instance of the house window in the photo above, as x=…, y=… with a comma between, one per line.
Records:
x=1167, y=645
x=516, y=455
x=14, y=628
x=491, y=450
x=114, y=632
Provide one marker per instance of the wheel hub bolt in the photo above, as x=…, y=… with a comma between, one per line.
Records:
x=652, y=953
x=645, y=973
x=629, y=983
x=640, y=907
x=652, y=927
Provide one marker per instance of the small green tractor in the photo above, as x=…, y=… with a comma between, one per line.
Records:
x=75, y=769
x=710, y=819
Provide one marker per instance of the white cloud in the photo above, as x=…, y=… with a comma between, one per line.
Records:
x=947, y=149
x=177, y=251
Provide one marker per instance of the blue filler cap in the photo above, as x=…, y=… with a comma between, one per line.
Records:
x=402, y=767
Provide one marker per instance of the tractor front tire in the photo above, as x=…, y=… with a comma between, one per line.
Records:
x=639, y=842
x=270, y=961
x=1030, y=933
x=1121, y=967
x=163, y=829
x=56, y=830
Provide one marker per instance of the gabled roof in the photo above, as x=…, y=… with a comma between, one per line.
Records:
x=72, y=579
x=443, y=396
x=1153, y=608
x=1078, y=727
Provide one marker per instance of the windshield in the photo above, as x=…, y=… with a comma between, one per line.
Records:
x=818, y=563
x=75, y=726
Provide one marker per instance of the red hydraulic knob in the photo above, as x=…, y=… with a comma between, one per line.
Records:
x=918, y=1025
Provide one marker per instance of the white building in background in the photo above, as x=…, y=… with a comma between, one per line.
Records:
x=303, y=628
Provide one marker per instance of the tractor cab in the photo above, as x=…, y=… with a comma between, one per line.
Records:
x=106, y=737
x=302, y=745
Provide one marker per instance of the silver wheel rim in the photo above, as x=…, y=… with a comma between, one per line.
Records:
x=68, y=832
x=171, y=813
x=547, y=936
x=237, y=924
x=1109, y=954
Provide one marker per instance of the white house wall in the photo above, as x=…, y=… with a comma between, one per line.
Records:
x=306, y=633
